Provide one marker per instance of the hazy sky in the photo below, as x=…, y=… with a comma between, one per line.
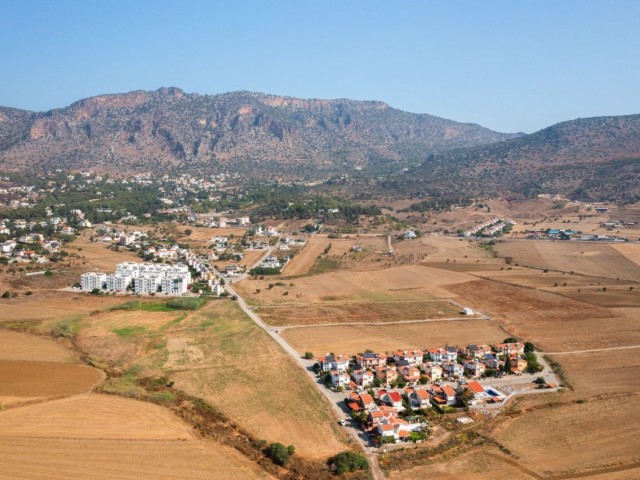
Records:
x=512, y=65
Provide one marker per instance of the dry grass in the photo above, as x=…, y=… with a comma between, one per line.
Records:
x=44, y=379
x=357, y=312
x=20, y=346
x=575, y=437
x=592, y=259
x=97, y=255
x=350, y=339
x=629, y=250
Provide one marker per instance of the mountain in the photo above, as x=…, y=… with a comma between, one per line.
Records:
x=264, y=136
x=590, y=158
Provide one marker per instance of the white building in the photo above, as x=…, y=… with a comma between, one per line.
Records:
x=92, y=280
x=174, y=284
x=117, y=282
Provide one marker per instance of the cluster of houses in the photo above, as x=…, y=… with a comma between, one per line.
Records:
x=569, y=234
x=141, y=278
x=490, y=228
x=271, y=261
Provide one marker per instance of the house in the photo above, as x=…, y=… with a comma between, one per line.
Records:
x=393, y=399
x=339, y=379
x=491, y=362
x=367, y=402
x=453, y=369
x=467, y=311
x=477, y=351
x=477, y=391
x=449, y=395
x=363, y=378
x=444, y=395
x=420, y=399
x=510, y=348
x=409, y=235
x=371, y=360
x=433, y=370
x=386, y=430
x=334, y=362
x=411, y=375
x=474, y=368
x=439, y=355
x=413, y=357
x=387, y=375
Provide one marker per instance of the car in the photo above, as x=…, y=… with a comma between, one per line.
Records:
x=343, y=422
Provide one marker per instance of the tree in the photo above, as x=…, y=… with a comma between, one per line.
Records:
x=507, y=366
x=465, y=396
x=6, y=295
x=348, y=461
x=308, y=355
x=529, y=347
x=278, y=453
x=510, y=340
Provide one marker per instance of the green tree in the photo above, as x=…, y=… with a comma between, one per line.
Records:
x=348, y=461
x=308, y=355
x=278, y=453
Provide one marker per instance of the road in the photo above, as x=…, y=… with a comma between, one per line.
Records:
x=593, y=350
x=335, y=399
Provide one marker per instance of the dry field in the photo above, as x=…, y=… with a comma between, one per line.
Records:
x=592, y=259
x=356, y=312
x=575, y=437
x=456, y=249
x=475, y=465
x=20, y=346
x=351, y=339
x=629, y=250
x=553, y=322
x=315, y=246
x=401, y=283
x=218, y=354
x=205, y=234
x=104, y=437
x=606, y=372
x=97, y=255
x=53, y=305
x=45, y=379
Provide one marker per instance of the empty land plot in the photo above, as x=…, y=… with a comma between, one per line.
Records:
x=610, y=296
x=575, y=437
x=458, y=249
x=476, y=465
x=553, y=322
x=21, y=346
x=464, y=267
x=204, y=234
x=315, y=246
x=94, y=416
x=401, y=283
x=35, y=379
x=246, y=375
x=593, y=259
x=629, y=250
x=374, y=312
x=52, y=305
x=351, y=339
x=106, y=437
x=98, y=255
x=596, y=373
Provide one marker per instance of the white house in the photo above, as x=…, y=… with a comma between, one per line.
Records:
x=363, y=378
x=330, y=362
x=339, y=379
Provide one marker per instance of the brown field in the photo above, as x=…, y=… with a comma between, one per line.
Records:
x=218, y=354
x=305, y=258
x=458, y=249
x=476, y=465
x=575, y=437
x=596, y=373
x=553, y=322
x=20, y=346
x=401, y=283
x=44, y=379
x=104, y=437
x=593, y=259
x=351, y=339
x=52, y=305
x=356, y=312
x=464, y=267
x=97, y=255
x=204, y=234
x=629, y=250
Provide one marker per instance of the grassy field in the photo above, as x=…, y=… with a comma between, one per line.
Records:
x=97, y=255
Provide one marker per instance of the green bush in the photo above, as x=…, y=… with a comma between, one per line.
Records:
x=348, y=461
x=308, y=355
x=278, y=453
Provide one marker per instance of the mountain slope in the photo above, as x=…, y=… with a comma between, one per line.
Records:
x=595, y=158
x=251, y=133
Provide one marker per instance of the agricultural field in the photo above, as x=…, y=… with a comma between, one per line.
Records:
x=100, y=436
x=591, y=259
x=574, y=438
x=351, y=339
x=97, y=255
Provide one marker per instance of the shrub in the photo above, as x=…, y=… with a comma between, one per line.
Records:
x=48, y=273
x=185, y=303
x=278, y=453
x=6, y=295
x=308, y=355
x=348, y=462
x=28, y=292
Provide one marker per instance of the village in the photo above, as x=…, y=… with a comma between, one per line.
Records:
x=390, y=393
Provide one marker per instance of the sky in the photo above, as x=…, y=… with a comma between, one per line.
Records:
x=517, y=65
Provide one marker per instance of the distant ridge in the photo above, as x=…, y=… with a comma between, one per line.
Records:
x=264, y=136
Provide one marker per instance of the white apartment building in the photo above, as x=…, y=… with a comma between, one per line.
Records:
x=92, y=280
x=174, y=284
x=117, y=282
x=148, y=283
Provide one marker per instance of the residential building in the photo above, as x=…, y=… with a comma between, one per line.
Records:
x=91, y=280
